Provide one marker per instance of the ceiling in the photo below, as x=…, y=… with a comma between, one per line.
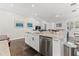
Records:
x=43, y=11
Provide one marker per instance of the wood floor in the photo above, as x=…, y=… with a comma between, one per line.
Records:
x=19, y=48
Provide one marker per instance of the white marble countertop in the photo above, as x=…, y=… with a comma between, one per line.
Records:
x=49, y=34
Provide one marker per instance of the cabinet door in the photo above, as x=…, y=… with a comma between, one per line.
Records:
x=35, y=41
x=28, y=39
x=36, y=47
x=32, y=41
x=56, y=47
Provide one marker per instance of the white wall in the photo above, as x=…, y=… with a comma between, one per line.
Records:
x=7, y=25
x=34, y=21
x=48, y=25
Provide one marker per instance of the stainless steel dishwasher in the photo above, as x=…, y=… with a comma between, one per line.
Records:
x=45, y=45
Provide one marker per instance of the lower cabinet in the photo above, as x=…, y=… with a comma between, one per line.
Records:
x=32, y=40
x=35, y=42
x=58, y=48
x=28, y=39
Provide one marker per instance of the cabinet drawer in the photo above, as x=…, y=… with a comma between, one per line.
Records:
x=28, y=39
x=56, y=47
x=35, y=43
x=36, y=39
x=36, y=46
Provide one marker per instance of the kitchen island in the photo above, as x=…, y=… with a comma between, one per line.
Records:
x=56, y=45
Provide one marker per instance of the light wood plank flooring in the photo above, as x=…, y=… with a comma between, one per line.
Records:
x=19, y=48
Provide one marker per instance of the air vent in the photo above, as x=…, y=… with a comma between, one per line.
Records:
x=73, y=4
x=74, y=10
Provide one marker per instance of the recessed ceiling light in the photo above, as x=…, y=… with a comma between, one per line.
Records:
x=57, y=15
x=33, y=5
x=36, y=14
x=72, y=4
x=11, y=5
x=74, y=10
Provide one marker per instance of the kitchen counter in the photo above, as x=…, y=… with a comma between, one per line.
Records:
x=50, y=34
x=4, y=48
x=33, y=39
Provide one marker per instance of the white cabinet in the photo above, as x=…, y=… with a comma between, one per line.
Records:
x=52, y=26
x=58, y=25
x=57, y=47
x=35, y=41
x=32, y=40
x=28, y=37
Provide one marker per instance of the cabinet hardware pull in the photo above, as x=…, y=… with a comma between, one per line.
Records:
x=32, y=38
x=55, y=40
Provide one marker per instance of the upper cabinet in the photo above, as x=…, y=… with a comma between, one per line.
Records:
x=73, y=25
x=54, y=25
x=59, y=25
x=77, y=24
x=70, y=25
